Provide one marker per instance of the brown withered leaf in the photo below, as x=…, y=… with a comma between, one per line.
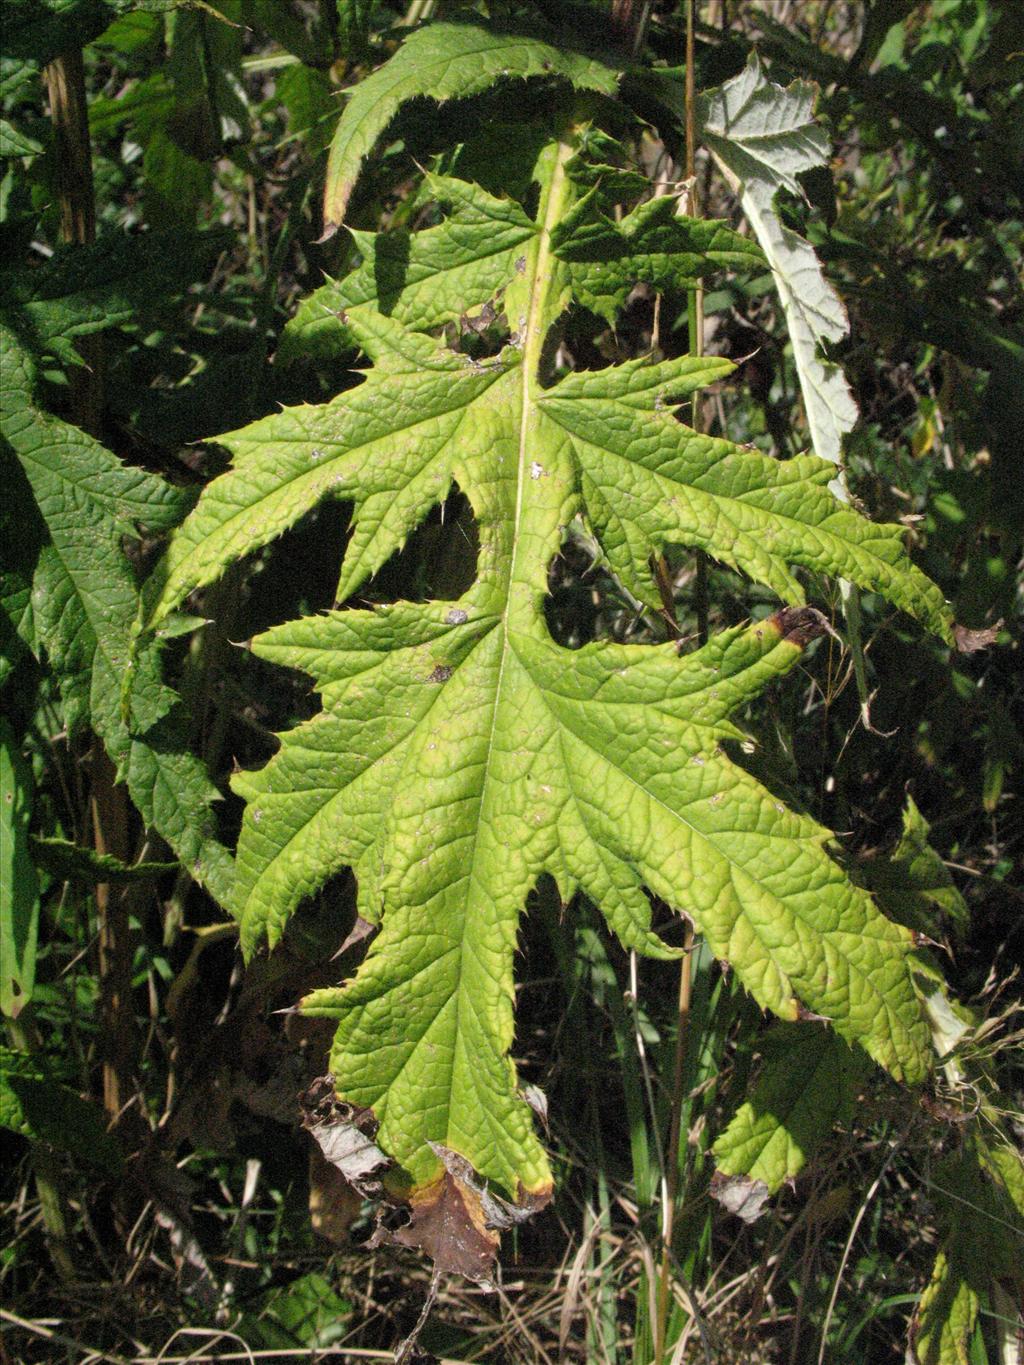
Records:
x=345, y=1134
x=801, y=624
x=969, y=641
x=448, y=1223
x=457, y=1221
x=740, y=1195
x=499, y=1213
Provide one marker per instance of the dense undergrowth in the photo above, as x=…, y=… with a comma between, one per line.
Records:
x=527, y=424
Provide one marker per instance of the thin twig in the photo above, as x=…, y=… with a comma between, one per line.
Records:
x=672, y=1155
x=36, y=1329
x=695, y=301
x=696, y=329
x=865, y=1204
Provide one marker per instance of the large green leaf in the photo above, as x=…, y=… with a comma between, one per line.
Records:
x=461, y=753
x=442, y=273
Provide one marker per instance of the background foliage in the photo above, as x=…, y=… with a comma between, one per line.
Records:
x=186, y=1204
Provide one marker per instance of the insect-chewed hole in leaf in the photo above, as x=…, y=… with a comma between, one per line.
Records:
x=437, y=562
x=479, y=335
x=345, y=1134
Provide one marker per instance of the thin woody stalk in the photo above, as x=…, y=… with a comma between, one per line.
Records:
x=65, y=82
x=673, y=1156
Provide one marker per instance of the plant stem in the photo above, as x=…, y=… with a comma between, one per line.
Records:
x=65, y=82
x=695, y=303
x=110, y=829
x=673, y=1158
x=418, y=11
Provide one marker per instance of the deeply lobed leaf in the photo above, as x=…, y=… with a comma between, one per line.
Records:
x=421, y=278
x=460, y=754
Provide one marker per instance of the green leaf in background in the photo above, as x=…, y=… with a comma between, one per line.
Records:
x=34, y=1103
x=18, y=79
x=807, y=1086
x=18, y=636
x=308, y=1313
x=39, y=30
x=946, y=1317
x=19, y=886
x=310, y=41
x=141, y=109
x=81, y=290
x=461, y=753
x=78, y=503
x=980, y=1195
x=914, y=884
x=87, y=501
x=653, y=245
x=15, y=142
x=312, y=105
x=70, y=862
x=444, y=61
